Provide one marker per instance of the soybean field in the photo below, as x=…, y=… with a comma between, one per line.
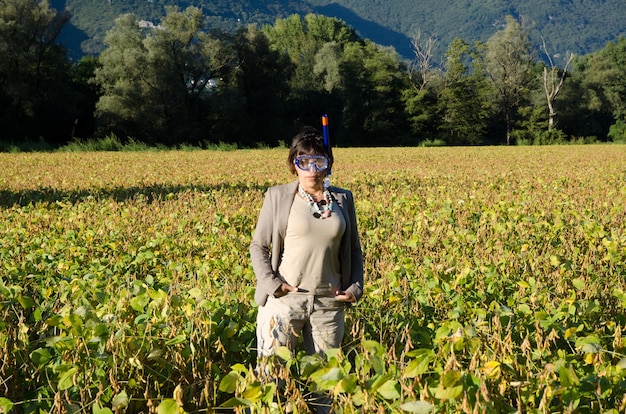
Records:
x=495, y=281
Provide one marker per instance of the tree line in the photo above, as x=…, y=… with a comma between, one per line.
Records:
x=181, y=83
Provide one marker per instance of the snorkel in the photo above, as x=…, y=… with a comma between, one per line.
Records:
x=327, y=145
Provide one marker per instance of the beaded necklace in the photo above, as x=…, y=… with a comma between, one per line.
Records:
x=322, y=208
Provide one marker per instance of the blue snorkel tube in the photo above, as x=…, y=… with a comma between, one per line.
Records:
x=327, y=145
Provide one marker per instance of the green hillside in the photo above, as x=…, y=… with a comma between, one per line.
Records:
x=578, y=26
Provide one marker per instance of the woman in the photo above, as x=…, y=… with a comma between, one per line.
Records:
x=306, y=254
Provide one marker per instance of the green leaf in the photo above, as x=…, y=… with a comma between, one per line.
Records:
x=283, y=353
x=66, y=379
x=26, y=301
x=390, y=390
x=451, y=378
x=268, y=392
x=442, y=333
x=168, y=406
x=419, y=365
x=232, y=329
x=157, y=295
x=377, y=364
x=54, y=320
x=333, y=353
x=228, y=384
x=373, y=347
x=240, y=368
x=236, y=402
x=347, y=384
x=309, y=365
x=555, y=260
x=139, y=302
x=176, y=340
x=6, y=405
x=378, y=381
x=590, y=344
x=448, y=393
x=417, y=407
x=97, y=408
x=40, y=356
x=450, y=386
x=578, y=283
x=195, y=293
x=327, y=378
x=253, y=393
x=568, y=376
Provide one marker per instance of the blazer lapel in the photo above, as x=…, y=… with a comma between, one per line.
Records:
x=284, y=206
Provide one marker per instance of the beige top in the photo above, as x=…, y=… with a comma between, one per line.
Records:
x=310, y=259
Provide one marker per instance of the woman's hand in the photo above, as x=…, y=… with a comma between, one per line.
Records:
x=284, y=289
x=343, y=296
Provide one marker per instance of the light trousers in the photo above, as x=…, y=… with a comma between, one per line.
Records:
x=318, y=319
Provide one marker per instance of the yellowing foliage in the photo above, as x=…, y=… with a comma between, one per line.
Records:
x=494, y=280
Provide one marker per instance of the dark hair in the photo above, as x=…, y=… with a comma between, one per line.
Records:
x=309, y=141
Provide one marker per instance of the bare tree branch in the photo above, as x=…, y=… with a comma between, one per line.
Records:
x=421, y=69
x=552, y=82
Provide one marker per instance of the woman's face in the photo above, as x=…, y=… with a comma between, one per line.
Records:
x=311, y=170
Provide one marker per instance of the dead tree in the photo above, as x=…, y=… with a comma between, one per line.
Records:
x=421, y=69
x=552, y=81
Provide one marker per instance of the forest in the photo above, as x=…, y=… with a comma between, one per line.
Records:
x=181, y=83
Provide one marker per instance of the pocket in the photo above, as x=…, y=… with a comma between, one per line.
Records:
x=291, y=306
x=330, y=303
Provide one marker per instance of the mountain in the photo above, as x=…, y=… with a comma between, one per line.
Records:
x=578, y=26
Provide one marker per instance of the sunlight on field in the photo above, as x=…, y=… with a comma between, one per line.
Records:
x=493, y=275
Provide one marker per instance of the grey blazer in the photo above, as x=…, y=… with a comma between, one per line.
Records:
x=267, y=243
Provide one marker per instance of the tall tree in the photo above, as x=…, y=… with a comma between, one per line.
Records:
x=262, y=80
x=157, y=82
x=604, y=78
x=422, y=94
x=122, y=106
x=357, y=82
x=552, y=82
x=509, y=64
x=373, y=81
x=35, y=98
x=422, y=69
x=464, y=99
x=302, y=39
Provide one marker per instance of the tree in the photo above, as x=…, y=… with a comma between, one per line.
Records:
x=122, y=108
x=509, y=63
x=36, y=100
x=82, y=79
x=425, y=83
x=552, y=83
x=422, y=68
x=355, y=81
x=262, y=80
x=302, y=39
x=603, y=77
x=463, y=101
x=158, y=84
x=373, y=79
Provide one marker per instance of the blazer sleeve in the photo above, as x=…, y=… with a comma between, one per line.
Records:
x=356, y=253
x=260, y=251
